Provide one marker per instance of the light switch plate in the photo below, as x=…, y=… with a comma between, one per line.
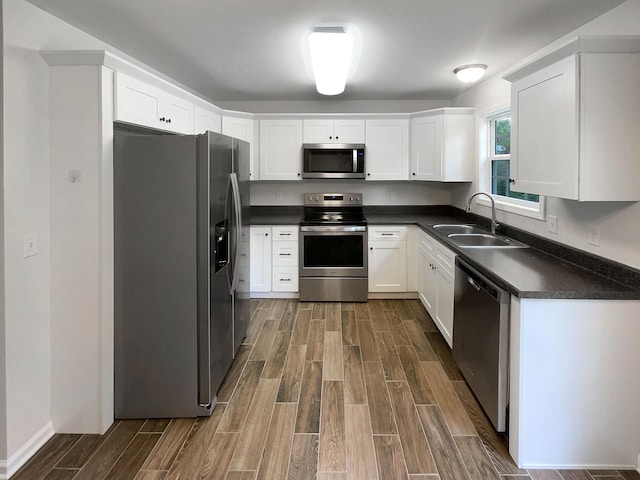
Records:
x=30, y=244
x=594, y=235
x=552, y=223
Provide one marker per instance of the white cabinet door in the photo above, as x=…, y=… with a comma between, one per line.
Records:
x=260, y=259
x=387, y=266
x=206, y=120
x=243, y=128
x=544, y=131
x=444, y=304
x=349, y=131
x=387, y=151
x=427, y=280
x=280, y=149
x=139, y=103
x=426, y=148
x=443, y=145
x=333, y=131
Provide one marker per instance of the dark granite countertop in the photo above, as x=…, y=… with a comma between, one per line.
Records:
x=544, y=270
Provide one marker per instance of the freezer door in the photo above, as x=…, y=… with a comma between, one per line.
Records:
x=215, y=309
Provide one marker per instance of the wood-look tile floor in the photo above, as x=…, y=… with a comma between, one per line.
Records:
x=324, y=391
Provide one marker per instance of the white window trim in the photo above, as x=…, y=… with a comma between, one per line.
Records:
x=511, y=205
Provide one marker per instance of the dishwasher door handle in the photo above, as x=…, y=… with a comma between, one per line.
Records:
x=473, y=283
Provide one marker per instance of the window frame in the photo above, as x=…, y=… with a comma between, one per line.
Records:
x=487, y=148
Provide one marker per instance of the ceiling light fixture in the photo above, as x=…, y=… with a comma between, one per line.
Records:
x=470, y=73
x=330, y=49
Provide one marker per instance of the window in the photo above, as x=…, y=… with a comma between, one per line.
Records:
x=494, y=173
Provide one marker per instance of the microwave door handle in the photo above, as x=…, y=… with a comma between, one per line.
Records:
x=355, y=160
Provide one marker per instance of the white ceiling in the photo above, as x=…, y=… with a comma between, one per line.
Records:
x=252, y=50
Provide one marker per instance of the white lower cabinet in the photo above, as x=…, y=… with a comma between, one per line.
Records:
x=387, y=259
x=260, y=259
x=285, y=259
x=436, y=283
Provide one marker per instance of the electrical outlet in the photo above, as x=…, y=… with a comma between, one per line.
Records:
x=278, y=196
x=74, y=176
x=393, y=196
x=552, y=223
x=30, y=244
x=594, y=235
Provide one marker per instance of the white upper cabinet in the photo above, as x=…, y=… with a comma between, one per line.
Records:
x=574, y=122
x=387, y=149
x=281, y=149
x=140, y=103
x=443, y=145
x=243, y=128
x=333, y=131
x=206, y=120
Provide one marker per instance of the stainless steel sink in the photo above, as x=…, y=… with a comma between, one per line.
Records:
x=483, y=240
x=455, y=228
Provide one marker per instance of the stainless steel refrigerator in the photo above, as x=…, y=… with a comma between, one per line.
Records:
x=181, y=220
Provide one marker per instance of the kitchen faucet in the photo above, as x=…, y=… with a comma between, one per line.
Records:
x=494, y=224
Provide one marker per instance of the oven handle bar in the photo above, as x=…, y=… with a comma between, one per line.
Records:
x=327, y=228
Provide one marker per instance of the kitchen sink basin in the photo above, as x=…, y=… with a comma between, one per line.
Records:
x=455, y=228
x=483, y=240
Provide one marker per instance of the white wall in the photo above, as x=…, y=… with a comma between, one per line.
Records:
x=373, y=193
x=3, y=381
x=618, y=221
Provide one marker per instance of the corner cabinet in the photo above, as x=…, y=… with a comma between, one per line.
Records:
x=333, y=131
x=281, y=149
x=387, y=149
x=443, y=145
x=574, y=121
x=140, y=103
x=243, y=128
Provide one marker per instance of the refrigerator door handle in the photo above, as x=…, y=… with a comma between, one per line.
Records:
x=235, y=188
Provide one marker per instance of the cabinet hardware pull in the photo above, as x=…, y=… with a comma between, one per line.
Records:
x=511, y=180
x=285, y=254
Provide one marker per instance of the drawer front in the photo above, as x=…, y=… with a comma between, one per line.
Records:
x=285, y=233
x=387, y=233
x=285, y=279
x=446, y=259
x=285, y=254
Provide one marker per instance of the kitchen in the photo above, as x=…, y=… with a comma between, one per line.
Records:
x=36, y=292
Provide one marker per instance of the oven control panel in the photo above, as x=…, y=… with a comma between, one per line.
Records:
x=332, y=199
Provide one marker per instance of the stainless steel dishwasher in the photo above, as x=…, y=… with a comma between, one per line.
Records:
x=481, y=339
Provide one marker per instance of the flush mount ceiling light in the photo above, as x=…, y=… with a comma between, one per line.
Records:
x=470, y=73
x=330, y=49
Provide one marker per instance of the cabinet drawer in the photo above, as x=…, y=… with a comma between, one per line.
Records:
x=285, y=279
x=446, y=259
x=285, y=254
x=286, y=233
x=387, y=233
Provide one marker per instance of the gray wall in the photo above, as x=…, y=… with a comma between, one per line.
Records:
x=3, y=372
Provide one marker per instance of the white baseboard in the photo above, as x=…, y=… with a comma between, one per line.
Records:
x=274, y=294
x=25, y=452
x=372, y=295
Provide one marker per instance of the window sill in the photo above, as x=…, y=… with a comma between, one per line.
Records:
x=518, y=207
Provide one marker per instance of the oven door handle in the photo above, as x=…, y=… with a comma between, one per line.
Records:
x=327, y=228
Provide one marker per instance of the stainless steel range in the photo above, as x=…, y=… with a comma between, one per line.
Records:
x=333, y=249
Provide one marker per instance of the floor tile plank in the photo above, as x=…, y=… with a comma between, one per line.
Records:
x=421, y=315
x=391, y=464
x=48, y=456
x=155, y=425
x=419, y=340
x=308, y=416
x=319, y=311
x=248, y=451
x=332, y=457
x=390, y=361
x=277, y=355
x=255, y=326
x=265, y=340
x=333, y=363
x=367, y=340
x=133, y=457
x=443, y=353
x=361, y=456
x=414, y=443
x=362, y=311
x=315, y=342
x=289, y=390
x=443, y=448
x=575, y=475
x=544, y=474
x=378, y=319
x=218, y=456
x=233, y=375
x=416, y=377
x=80, y=452
x=303, y=464
x=277, y=308
x=150, y=475
x=404, y=310
x=275, y=462
x=236, y=413
x=301, y=328
x=355, y=392
x=349, y=328
x=399, y=332
x=476, y=459
x=334, y=318
x=61, y=474
x=167, y=448
x=382, y=422
x=288, y=319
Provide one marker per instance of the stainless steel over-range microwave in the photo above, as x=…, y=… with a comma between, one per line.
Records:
x=333, y=160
